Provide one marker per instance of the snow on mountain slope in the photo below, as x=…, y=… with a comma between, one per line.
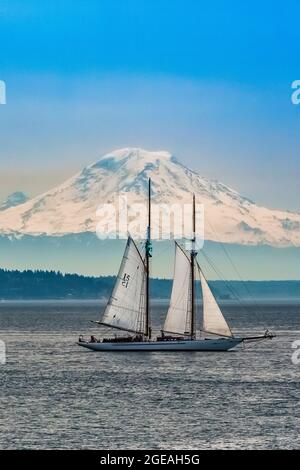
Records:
x=71, y=207
x=14, y=199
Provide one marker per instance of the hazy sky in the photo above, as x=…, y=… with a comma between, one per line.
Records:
x=208, y=81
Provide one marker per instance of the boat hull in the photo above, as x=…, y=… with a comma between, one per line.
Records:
x=222, y=344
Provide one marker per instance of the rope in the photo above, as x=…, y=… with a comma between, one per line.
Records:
x=256, y=305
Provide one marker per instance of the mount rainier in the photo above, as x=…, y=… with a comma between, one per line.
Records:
x=71, y=207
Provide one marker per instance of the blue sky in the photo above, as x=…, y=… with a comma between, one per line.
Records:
x=209, y=81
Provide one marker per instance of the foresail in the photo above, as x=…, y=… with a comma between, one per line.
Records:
x=178, y=318
x=213, y=319
x=126, y=308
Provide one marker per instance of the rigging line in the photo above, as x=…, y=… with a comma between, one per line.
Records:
x=244, y=283
x=227, y=284
x=222, y=246
x=258, y=309
x=229, y=287
x=137, y=249
x=255, y=312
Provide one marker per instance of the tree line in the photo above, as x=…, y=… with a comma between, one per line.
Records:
x=39, y=284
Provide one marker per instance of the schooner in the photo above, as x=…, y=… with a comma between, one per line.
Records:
x=128, y=308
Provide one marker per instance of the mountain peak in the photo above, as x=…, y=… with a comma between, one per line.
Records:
x=136, y=152
x=72, y=206
x=130, y=155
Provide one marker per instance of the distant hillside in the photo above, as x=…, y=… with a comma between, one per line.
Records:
x=18, y=285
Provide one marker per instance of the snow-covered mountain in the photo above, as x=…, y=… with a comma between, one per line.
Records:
x=71, y=207
x=14, y=199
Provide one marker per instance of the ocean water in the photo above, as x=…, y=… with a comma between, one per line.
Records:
x=57, y=395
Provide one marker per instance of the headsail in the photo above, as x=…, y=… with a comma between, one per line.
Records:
x=126, y=308
x=178, y=318
x=213, y=319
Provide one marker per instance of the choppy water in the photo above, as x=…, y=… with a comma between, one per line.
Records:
x=57, y=395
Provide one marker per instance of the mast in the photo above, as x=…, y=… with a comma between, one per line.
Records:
x=148, y=256
x=193, y=255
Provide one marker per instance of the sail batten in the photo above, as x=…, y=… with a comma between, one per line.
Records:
x=213, y=319
x=126, y=308
x=178, y=319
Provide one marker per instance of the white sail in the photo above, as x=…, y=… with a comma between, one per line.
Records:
x=178, y=318
x=213, y=320
x=126, y=308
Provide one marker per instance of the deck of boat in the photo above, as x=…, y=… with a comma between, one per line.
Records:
x=221, y=344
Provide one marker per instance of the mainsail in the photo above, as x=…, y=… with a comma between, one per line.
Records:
x=178, y=318
x=126, y=308
x=213, y=319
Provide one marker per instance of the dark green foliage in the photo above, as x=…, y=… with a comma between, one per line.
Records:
x=56, y=285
